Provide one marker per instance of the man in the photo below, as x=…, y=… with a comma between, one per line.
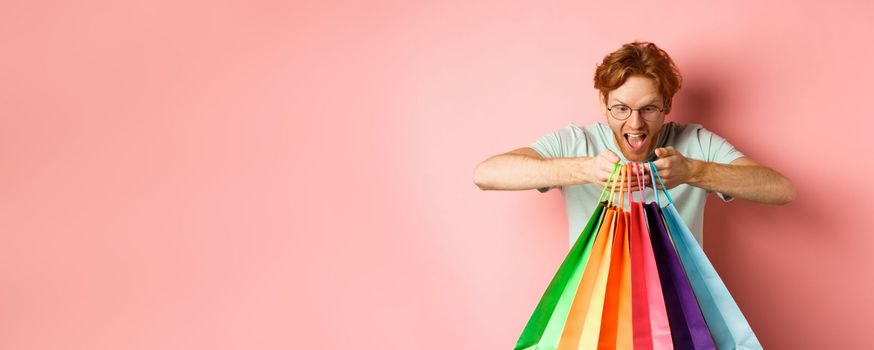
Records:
x=636, y=85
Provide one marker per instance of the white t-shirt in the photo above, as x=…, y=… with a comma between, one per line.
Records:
x=692, y=140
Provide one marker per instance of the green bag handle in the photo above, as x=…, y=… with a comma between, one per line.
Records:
x=601, y=198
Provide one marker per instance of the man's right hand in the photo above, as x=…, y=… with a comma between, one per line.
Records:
x=601, y=166
x=524, y=169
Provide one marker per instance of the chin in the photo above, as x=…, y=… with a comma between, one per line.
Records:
x=635, y=156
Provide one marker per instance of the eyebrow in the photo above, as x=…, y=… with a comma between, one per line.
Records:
x=650, y=103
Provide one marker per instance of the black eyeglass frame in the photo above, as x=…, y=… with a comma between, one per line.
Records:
x=631, y=111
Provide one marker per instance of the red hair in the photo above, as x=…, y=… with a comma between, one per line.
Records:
x=643, y=59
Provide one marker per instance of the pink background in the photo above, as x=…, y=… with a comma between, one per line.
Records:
x=275, y=175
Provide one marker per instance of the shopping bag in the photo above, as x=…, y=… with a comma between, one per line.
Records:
x=637, y=279
x=650, y=319
x=688, y=328
x=584, y=319
x=727, y=324
x=546, y=324
x=583, y=325
x=617, y=331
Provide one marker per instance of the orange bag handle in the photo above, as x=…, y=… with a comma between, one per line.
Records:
x=613, y=188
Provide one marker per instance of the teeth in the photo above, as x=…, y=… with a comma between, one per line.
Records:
x=635, y=135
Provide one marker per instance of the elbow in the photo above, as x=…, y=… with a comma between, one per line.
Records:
x=481, y=179
x=788, y=195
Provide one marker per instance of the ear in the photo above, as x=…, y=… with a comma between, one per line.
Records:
x=668, y=105
x=602, y=101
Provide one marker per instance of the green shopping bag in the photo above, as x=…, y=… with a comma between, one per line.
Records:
x=545, y=326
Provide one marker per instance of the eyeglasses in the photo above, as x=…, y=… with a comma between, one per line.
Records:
x=622, y=112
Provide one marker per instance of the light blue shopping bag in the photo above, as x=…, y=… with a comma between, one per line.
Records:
x=727, y=324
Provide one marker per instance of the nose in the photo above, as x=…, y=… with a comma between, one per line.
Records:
x=635, y=121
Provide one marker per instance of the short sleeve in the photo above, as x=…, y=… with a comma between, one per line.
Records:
x=717, y=150
x=552, y=145
x=557, y=144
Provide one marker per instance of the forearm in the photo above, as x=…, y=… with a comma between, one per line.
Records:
x=755, y=183
x=521, y=172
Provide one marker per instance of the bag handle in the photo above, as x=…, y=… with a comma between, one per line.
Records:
x=625, y=176
x=655, y=190
x=617, y=180
x=630, y=194
x=664, y=189
x=638, y=169
x=606, y=185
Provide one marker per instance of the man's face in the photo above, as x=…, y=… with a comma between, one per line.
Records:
x=635, y=135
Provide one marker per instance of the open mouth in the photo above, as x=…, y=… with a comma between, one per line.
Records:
x=635, y=141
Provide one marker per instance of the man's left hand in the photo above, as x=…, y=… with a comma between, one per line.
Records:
x=674, y=168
